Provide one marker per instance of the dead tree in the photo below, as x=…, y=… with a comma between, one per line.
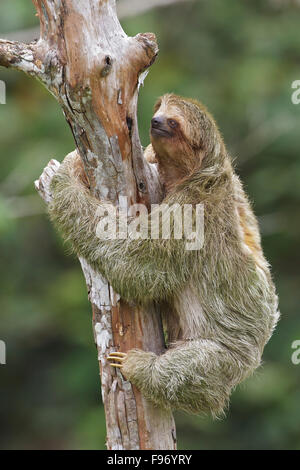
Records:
x=94, y=70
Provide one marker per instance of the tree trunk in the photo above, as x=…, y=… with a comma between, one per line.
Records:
x=94, y=70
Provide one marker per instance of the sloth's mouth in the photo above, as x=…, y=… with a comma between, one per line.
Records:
x=159, y=132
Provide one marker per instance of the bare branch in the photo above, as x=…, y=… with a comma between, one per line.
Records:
x=94, y=70
x=20, y=57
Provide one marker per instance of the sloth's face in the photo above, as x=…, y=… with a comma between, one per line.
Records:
x=172, y=137
x=166, y=123
x=168, y=132
x=183, y=132
x=163, y=127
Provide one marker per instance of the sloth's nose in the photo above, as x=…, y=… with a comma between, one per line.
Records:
x=157, y=122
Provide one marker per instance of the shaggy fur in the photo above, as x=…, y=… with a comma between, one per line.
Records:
x=219, y=303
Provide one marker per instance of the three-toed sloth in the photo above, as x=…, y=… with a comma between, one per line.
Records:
x=220, y=304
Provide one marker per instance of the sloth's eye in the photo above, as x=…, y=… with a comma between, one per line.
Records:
x=172, y=123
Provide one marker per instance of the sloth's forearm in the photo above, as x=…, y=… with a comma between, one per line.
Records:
x=73, y=212
x=197, y=376
x=141, y=270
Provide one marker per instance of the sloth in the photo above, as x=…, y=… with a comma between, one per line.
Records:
x=218, y=303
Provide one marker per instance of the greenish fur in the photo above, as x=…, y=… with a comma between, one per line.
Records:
x=219, y=303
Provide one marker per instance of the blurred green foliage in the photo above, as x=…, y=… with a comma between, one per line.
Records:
x=240, y=59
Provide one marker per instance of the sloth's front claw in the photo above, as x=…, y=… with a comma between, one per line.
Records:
x=117, y=359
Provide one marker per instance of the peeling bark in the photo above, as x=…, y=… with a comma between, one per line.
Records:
x=20, y=56
x=94, y=70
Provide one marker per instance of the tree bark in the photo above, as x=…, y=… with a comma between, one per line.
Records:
x=94, y=70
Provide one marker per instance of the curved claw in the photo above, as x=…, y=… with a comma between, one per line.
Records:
x=116, y=353
x=118, y=358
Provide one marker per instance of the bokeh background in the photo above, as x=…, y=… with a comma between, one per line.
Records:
x=240, y=58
